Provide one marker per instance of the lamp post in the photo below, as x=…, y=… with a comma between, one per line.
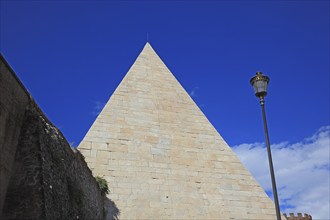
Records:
x=260, y=83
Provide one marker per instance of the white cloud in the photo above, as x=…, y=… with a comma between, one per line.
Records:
x=98, y=106
x=301, y=170
x=202, y=106
x=193, y=92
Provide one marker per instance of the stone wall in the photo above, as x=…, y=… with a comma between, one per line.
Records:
x=50, y=180
x=13, y=100
x=42, y=177
x=298, y=217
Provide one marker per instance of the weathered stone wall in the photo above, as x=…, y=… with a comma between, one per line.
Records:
x=13, y=101
x=50, y=180
x=42, y=177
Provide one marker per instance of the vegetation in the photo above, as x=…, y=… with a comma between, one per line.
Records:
x=103, y=185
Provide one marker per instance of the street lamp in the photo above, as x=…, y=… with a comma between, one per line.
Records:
x=260, y=83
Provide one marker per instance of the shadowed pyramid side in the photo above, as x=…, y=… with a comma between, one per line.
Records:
x=161, y=155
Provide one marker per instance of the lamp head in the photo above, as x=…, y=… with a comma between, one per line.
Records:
x=260, y=83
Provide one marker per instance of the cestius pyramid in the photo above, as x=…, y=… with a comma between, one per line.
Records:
x=161, y=156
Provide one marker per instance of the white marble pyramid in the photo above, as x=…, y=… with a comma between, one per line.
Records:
x=162, y=158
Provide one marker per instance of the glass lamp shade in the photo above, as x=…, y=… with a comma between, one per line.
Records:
x=260, y=83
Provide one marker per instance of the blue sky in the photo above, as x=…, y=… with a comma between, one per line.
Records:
x=71, y=55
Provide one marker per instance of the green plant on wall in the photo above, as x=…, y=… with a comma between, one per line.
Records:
x=103, y=185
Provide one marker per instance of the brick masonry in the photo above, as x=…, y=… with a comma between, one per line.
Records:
x=300, y=216
x=162, y=158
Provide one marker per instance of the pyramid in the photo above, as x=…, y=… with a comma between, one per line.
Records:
x=161, y=156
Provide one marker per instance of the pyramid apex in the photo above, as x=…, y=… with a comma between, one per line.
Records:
x=147, y=45
x=148, y=49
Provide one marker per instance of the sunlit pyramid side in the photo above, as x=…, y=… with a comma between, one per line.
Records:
x=161, y=156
